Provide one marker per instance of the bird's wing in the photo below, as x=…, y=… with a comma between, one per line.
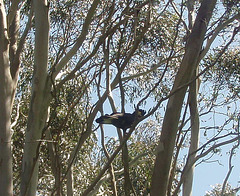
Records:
x=115, y=115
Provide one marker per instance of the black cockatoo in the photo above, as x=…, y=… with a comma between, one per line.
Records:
x=121, y=120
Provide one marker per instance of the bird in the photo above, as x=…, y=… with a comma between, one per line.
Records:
x=121, y=120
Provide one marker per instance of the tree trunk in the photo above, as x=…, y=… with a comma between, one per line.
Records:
x=194, y=142
x=170, y=124
x=5, y=109
x=39, y=101
x=127, y=180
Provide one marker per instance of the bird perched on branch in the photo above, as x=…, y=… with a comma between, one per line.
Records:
x=121, y=120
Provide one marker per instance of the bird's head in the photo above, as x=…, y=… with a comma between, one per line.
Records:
x=140, y=113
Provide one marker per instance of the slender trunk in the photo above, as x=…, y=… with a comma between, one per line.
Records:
x=166, y=145
x=70, y=183
x=5, y=109
x=55, y=163
x=188, y=179
x=127, y=180
x=39, y=101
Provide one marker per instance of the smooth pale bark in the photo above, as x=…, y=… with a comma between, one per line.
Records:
x=39, y=100
x=194, y=142
x=6, y=187
x=166, y=144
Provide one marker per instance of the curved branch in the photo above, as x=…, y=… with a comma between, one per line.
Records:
x=190, y=164
x=230, y=168
x=220, y=27
x=79, y=40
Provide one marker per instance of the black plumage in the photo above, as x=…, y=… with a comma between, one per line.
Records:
x=121, y=120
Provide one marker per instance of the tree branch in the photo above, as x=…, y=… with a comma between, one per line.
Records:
x=79, y=40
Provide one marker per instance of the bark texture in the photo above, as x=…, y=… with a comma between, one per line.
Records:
x=170, y=124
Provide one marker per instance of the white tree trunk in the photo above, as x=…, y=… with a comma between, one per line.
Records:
x=39, y=101
x=5, y=109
